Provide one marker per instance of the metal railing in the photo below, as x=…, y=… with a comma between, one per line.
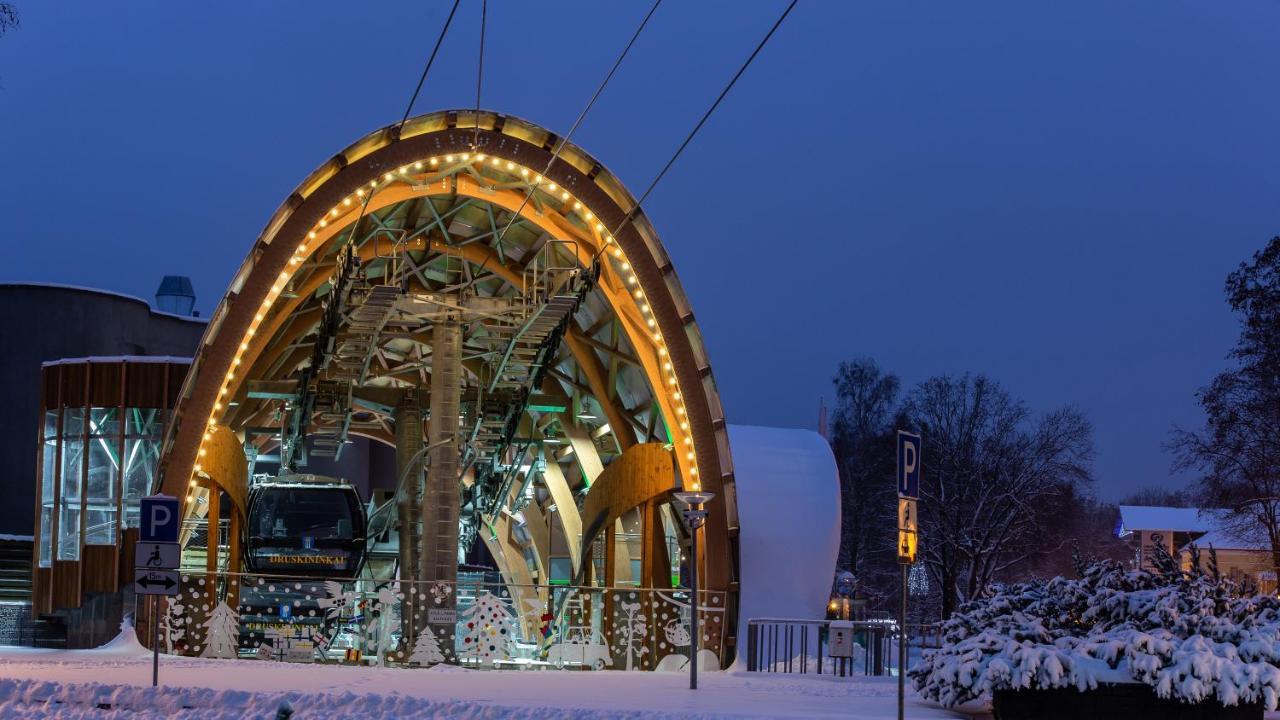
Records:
x=471, y=622
x=787, y=645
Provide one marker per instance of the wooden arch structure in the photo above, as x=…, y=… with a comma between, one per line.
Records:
x=455, y=199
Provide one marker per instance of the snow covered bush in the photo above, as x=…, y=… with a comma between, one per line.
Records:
x=1191, y=636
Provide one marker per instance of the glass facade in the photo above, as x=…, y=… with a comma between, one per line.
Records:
x=94, y=465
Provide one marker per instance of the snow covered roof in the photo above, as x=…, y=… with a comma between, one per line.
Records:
x=118, y=359
x=100, y=291
x=1223, y=540
x=1145, y=517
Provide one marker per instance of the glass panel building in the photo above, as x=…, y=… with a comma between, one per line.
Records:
x=102, y=424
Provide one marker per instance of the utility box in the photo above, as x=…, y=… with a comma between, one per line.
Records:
x=840, y=639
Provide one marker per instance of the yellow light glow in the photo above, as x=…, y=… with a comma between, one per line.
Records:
x=466, y=156
x=577, y=205
x=388, y=176
x=434, y=162
x=346, y=201
x=324, y=223
x=359, y=193
x=312, y=234
x=404, y=169
x=417, y=165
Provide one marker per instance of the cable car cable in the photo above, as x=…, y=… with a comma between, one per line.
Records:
x=705, y=116
x=484, y=16
x=564, y=142
x=427, y=68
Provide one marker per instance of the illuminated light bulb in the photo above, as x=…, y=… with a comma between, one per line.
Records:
x=284, y=275
x=417, y=165
x=333, y=212
x=208, y=435
x=644, y=307
x=679, y=408
x=577, y=205
x=191, y=498
x=404, y=169
x=617, y=252
x=564, y=196
x=690, y=455
x=388, y=176
x=685, y=426
x=295, y=260
x=552, y=187
x=203, y=452
x=223, y=391
x=652, y=323
x=359, y=193
x=599, y=227
x=212, y=422
x=676, y=395
x=631, y=279
x=257, y=318
x=608, y=239
x=638, y=293
x=312, y=234
x=346, y=201
x=480, y=157
x=657, y=337
x=244, y=346
x=197, y=468
x=626, y=266
x=324, y=223
x=524, y=172
x=466, y=156
x=192, y=482
x=666, y=365
x=373, y=184
x=236, y=362
x=511, y=165
x=694, y=471
x=672, y=381
x=250, y=332
x=231, y=376
x=662, y=350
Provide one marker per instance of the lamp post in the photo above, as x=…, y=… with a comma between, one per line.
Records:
x=696, y=516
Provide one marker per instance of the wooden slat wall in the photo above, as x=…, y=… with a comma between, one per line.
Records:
x=101, y=569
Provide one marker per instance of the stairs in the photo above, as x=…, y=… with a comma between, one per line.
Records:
x=15, y=571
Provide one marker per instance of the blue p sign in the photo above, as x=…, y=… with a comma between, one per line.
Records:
x=159, y=519
x=908, y=465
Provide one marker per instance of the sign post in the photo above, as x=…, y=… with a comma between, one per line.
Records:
x=156, y=558
x=909, y=447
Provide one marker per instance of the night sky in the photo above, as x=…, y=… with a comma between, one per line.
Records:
x=1050, y=193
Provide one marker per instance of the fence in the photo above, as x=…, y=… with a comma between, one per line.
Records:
x=801, y=646
x=471, y=622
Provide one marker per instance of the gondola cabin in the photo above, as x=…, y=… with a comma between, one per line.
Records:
x=306, y=526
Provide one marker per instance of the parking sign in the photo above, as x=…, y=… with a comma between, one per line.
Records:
x=908, y=465
x=159, y=519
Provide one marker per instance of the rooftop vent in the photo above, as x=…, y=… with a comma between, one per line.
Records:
x=176, y=296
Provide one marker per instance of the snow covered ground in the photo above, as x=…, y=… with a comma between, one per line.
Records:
x=114, y=682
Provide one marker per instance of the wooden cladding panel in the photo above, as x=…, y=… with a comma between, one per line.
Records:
x=101, y=569
x=66, y=584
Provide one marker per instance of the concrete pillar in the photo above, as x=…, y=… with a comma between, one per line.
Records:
x=438, y=557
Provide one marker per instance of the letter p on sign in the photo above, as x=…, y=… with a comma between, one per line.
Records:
x=159, y=519
x=908, y=465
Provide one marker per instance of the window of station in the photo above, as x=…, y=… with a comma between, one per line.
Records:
x=72, y=476
x=142, y=436
x=97, y=457
x=48, y=476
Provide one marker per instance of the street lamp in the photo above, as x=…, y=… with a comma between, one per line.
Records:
x=696, y=516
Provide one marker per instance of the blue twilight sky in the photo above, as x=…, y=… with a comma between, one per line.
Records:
x=1046, y=192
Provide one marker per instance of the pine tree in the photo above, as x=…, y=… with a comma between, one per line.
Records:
x=222, y=633
x=489, y=628
x=426, y=651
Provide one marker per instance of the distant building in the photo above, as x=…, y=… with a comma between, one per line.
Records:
x=1179, y=529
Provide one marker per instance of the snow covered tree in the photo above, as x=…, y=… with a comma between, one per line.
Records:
x=426, y=651
x=490, y=628
x=222, y=633
x=1190, y=636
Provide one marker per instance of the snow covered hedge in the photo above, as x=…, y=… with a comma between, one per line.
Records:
x=1190, y=636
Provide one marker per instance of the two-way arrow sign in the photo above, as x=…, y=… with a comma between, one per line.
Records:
x=155, y=582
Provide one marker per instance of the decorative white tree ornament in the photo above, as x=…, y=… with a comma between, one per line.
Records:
x=222, y=633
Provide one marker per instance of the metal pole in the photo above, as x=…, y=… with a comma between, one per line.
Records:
x=155, y=645
x=693, y=610
x=902, y=647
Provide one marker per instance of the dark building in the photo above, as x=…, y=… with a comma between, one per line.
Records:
x=44, y=323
